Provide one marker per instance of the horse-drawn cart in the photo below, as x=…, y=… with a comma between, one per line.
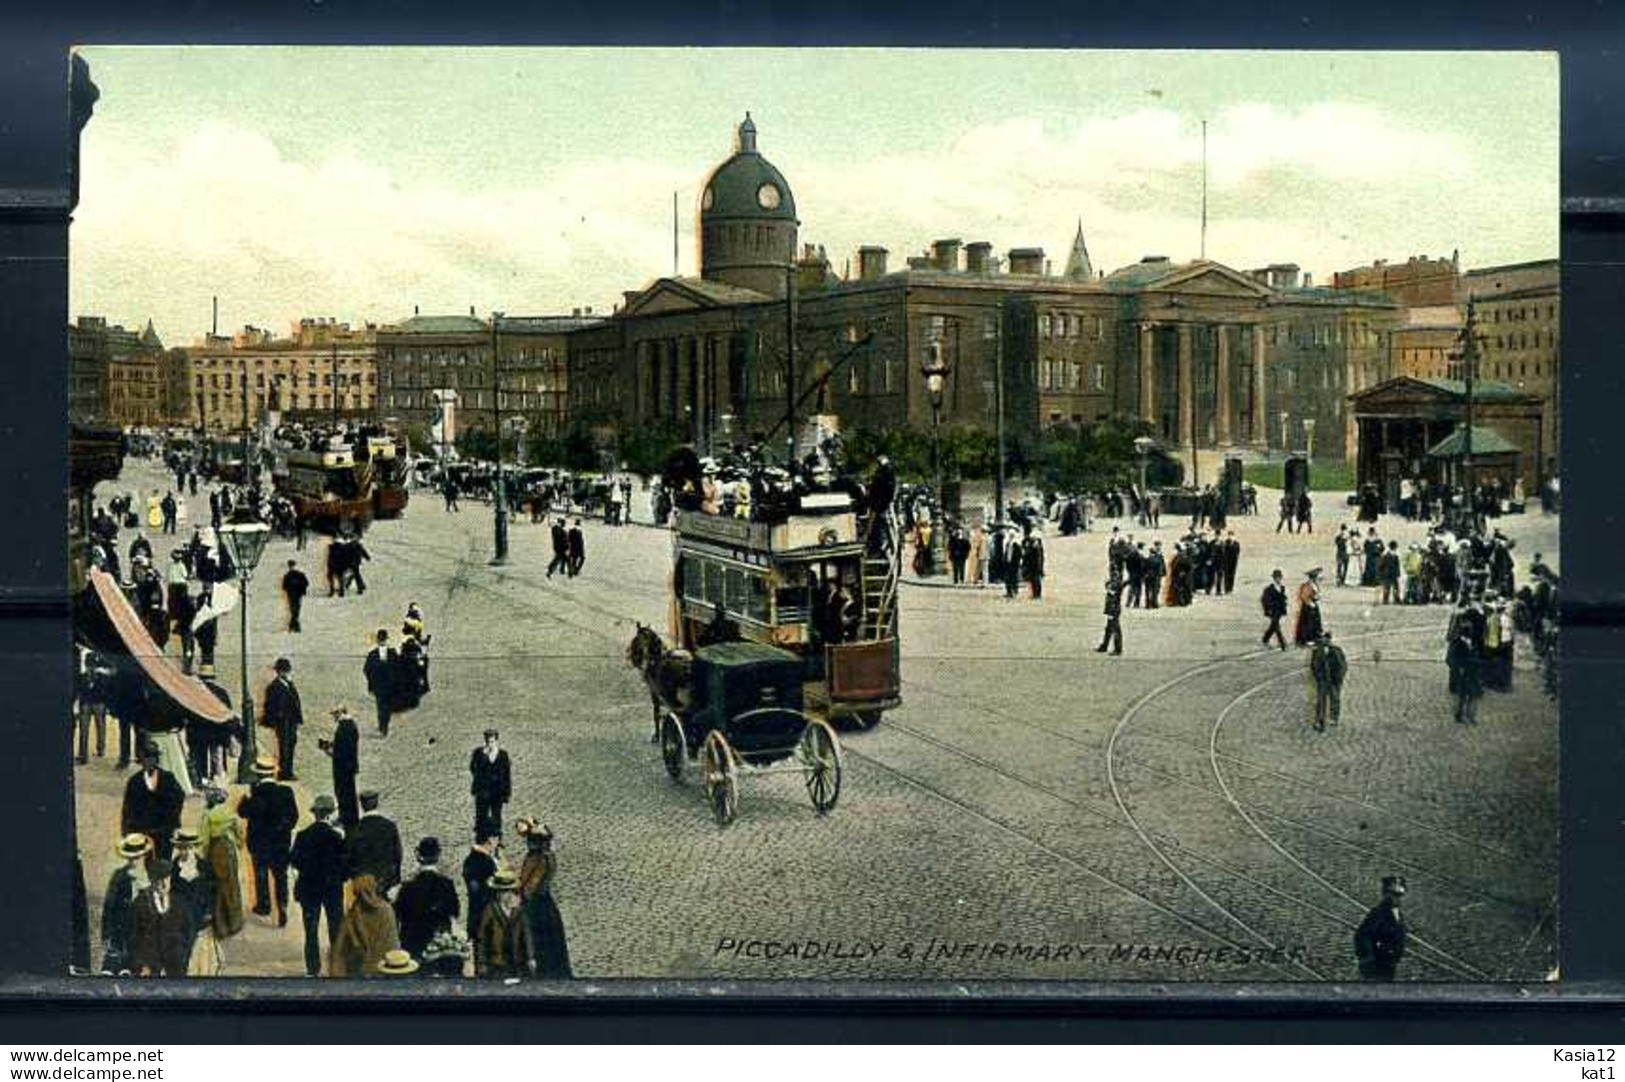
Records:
x=741, y=713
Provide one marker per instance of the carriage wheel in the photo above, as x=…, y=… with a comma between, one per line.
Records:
x=721, y=778
x=671, y=746
x=821, y=760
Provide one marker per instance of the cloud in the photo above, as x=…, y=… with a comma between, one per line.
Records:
x=225, y=210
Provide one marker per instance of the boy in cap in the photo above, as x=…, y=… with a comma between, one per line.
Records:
x=1379, y=943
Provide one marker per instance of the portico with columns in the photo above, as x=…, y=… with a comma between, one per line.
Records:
x=1199, y=372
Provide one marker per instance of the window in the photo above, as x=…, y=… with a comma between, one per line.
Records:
x=310, y=379
x=1044, y=325
x=1100, y=329
x=1077, y=375
x=1097, y=375
x=852, y=379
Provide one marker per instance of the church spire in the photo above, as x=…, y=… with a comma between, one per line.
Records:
x=1077, y=264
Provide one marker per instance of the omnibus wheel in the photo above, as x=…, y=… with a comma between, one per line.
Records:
x=820, y=755
x=721, y=778
x=671, y=746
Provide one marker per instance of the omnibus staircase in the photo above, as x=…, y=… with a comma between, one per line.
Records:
x=882, y=572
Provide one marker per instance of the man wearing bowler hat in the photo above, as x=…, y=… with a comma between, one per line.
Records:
x=284, y=715
x=374, y=846
x=1379, y=943
x=270, y=814
x=345, y=751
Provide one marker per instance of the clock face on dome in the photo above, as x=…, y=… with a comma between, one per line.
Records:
x=706, y=199
x=768, y=196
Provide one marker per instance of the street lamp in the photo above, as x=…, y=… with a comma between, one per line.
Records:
x=244, y=542
x=1142, y=448
x=935, y=372
x=1309, y=438
x=500, y=555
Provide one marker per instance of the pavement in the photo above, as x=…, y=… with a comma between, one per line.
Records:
x=1033, y=810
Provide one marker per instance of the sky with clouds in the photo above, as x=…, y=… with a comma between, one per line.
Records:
x=357, y=183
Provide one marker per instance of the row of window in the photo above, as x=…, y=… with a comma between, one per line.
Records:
x=1525, y=340
x=344, y=361
x=293, y=401
x=222, y=380
x=741, y=593
x=758, y=238
x=1070, y=325
x=1522, y=312
x=519, y=403
x=1062, y=375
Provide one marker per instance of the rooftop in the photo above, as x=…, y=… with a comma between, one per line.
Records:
x=1486, y=441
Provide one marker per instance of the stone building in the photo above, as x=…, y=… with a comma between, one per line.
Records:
x=1202, y=352
x=1519, y=310
x=1411, y=427
x=425, y=354
x=133, y=391
x=1426, y=343
x=88, y=360
x=1418, y=282
x=323, y=370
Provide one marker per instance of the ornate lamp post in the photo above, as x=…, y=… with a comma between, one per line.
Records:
x=244, y=542
x=935, y=372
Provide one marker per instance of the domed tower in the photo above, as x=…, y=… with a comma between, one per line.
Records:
x=747, y=233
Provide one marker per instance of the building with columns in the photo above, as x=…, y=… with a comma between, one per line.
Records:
x=1208, y=356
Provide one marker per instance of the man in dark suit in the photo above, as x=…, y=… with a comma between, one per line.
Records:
x=1113, y=609
x=1232, y=561
x=374, y=846
x=561, y=549
x=284, y=715
x=577, y=546
x=270, y=814
x=294, y=587
x=161, y=928
x=123, y=887
x=153, y=800
x=379, y=669
x=1274, y=604
x=427, y=903
x=345, y=749
x=319, y=859
x=492, y=785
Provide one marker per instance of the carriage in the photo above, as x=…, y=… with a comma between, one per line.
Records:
x=780, y=630
x=743, y=711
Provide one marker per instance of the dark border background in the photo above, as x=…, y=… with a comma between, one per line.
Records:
x=38, y=1006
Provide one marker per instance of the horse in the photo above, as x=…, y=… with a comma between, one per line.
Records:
x=666, y=672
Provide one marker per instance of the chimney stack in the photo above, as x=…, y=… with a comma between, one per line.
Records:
x=871, y=262
x=1027, y=261
x=945, y=254
x=976, y=257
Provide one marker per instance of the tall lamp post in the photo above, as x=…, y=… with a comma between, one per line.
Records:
x=244, y=542
x=1142, y=449
x=936, y=375
x=500, y=555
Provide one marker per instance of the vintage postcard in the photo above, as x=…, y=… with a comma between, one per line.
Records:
x=840, y=514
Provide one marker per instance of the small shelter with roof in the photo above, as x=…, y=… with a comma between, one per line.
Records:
x=1411, y=427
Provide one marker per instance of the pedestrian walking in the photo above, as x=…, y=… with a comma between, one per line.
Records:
x=1305, y=512
x=492, y=784
x=977, y=560
x=478, y=868
x=379, y=669
x=1341, y=544
x=1113, y=634
x=161, y=931
x=426, y=905
x=220, y=842
x=576, y=544
x=1288, y=507
x=366, y=934
x=1327, y=667
x=561, y=548
x=192, y=886
x=536, y=874
x=1230, y=561
x=502, y=947
x=1307, y=629
x=153, y=801
x=374, y=845
x=1465, y=667
x=284, y=715
x=294, y=587
x=123, y=887
x=1032, y=563
x=356, y=555
x=1274, y=604
x=345, y=751
x=1379, y=942
x=269, y=814
x=319, y=864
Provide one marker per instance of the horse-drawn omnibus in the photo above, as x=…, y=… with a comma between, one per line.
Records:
x=810, y=598
x=345, y=483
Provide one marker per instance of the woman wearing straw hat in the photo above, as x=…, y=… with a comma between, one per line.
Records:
x=220, y=841
x=502, y=948
x=536, y=894
x=123, y=887
x=366, y=934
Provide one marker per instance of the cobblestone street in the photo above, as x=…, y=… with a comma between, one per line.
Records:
x=1033, y=810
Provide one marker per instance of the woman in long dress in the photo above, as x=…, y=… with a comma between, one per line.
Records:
x=366, y=934
x=1307, y=629
x=536, y=896
x=219, y=842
